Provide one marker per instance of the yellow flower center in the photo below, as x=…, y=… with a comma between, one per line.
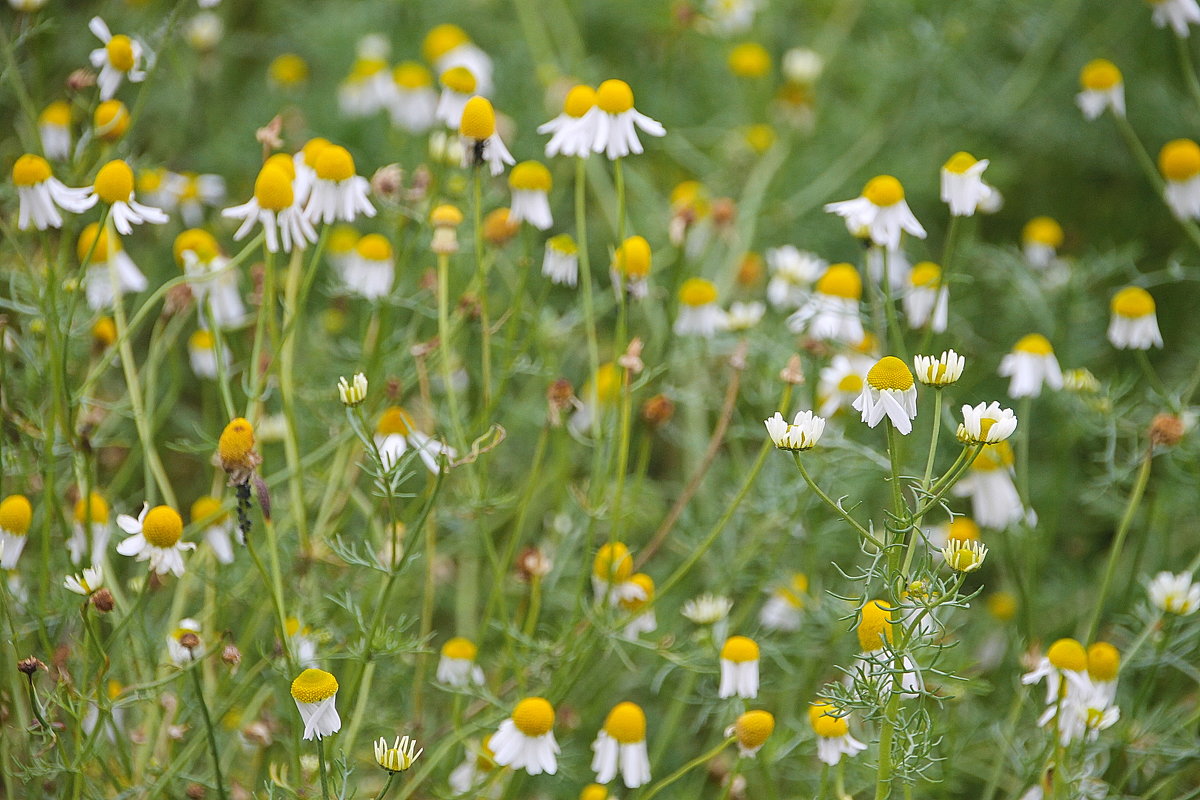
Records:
x=533, y=716
x=441, y=40
x=760, y=137
x=749, y=60
x=563, y=243
x=1068, y=654
x=342, y=239
x=647, y=585
x=993, y=456
x=890, y=372
x=614, y=96
x=57, y=113
x=15, y=514
x=478, y=119
x=825, y=722
x=1043, y=230
x=446, y=216
x=104, y=331
x=1034, y=344
x=313, y=686
x=1103, y=661
x=626, y=723
x=149, y=180
x=739, y=650
x=1002, y=606
x=120, y=52
x=607, y=384
x=579, y=100
x=207, y=509
x=876, y=625
x=459, y=79
x=374, y=247
x=236, y=442
x=273, y=188
x=963, y=559
x=1099, y=75
x=883, y=191
x=288, y=69
x=633, y=257
x=460, y=648
x=613, y=563
x=111, y=120
x=94, y=233
x=411, y=75
x=697, y=292
x=753, y=728
x=162, y=526
x=530, y=176
x=926, y=274
x=963, y=529
x=114, y=182
x=1179, y=160
x=1133, y=302
x=840, y=280
x=96, y=510
x=284, y=162
x=312, y=150
x=594, y=791
x=334, y=163
x=852, y=382
x=364, y=68
x=197, y=241
x=30, y=170
x=960, y=162
x=395, y=420
x=201, y=340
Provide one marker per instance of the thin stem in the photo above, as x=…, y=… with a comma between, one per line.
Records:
x=933, y=441
x=1188, y=67
x=895, y=334
x=287, y=392
x=1151, y=374
x=1146, y=163
x=208, y=727
x=387, y=787
x=585, y=265
x=324, y=768
x=481, y=279
x=688, y=767
x=837, y=507
x=443, y=300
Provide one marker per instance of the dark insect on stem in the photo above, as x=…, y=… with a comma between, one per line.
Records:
x=243, y=509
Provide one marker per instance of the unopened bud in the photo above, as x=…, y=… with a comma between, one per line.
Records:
x=231, y=655
x=189, y=640
x=81, y=79
x=533, y=563
x=632, y=357
x=388, y=182
x=793, y=373
x=30, y=665
x=559, y=398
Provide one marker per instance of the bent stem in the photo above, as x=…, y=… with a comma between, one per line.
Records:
x=837, y=507
x=688, y=767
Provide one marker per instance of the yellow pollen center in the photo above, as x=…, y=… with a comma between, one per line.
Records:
x=883, y=191
x=533, y=716
x=613, y=563
x=149, y=180
x=30, y=170
x=374, y=247
x=749, y=60
x=285, y=163
x=459, y=79
x=273, y=189
x=962, y=559
x=739, y=650
x=579, y=100
x=753, y=728
x=335, y=164
x=364, y=68
x=1103, y=661
x=207, y=509
x=697, y=292
x=633, y=257
x=960, y=162
x=162, y=526
x=993, y=456
x=825, y=723
x=395, y=420
x=342, y=239
x=288, y=69
x=57, y=113
x=236, y=442
x=441, y=40
x=313, y=686
x=201, y=340
x=1043, y=230
x=1099, y=75
x=312, y=150
x=1068, y=654
x=197, y=241
x=594, y=791
x=446, y=216
x=411, y=75
x=926, y=274
x=840, y=280
x=626, y=723
x=1034, y=344
x=1133, y=302
x=563, y=243
x=530, y=176
x=646, y=583
x=607, y=384
x=876, y=625
x=15, y=514
x=890, y=372
x=850, y=383
x=1179, y=160
x=114, y=182
x=111, y=119
x=460, y=648
x=94, y=233
x=104, y=331
x=94, y=511
x=963, y=529
x=614, y=97
x=120, y=52
x=478, y=119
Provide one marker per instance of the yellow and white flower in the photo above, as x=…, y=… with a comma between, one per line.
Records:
x=961, y=528
x=927, y=300
x=616, y=118
x=1102, y=88
x=457, y=666
x=458, y=86
x=85, y=585
x=1175, y=594
x=400, y=756
x=873, y=669
x=561, y=262
x=191, y=192
x=964, y=555
x=369, y=86
x=396, y=432
x=447, y=46
x=895, y=260
x=1179, y=14
x=739, y=668
x=315, y=693
x=707, y=609
x=202, y=354
x=573, y=132
x=1040, y=239
x=802, y=433
x=880, y=213
x=599, y=394
x=986, y=423
x=337, y=192
x=97, y=279
x=783, y=609
x=155, y=537
x=1134, y=323
x=40, y=195
x=275, y=206
x=114, y=185
x=198, y=255
x=631, y=267
x=526, y=739
x=752, y=730
x=352, y=392
x=89, y=529
x=340, y=247
x=744, y=316
x=831, y=312
x=962, y=184
x=181, y=655
x=371, y=271
x=481, y=143
x=302, y=641
x=120, y=58
x=644, y=620
x=731, y=16
x=699, y=314
x=413, y=100
x=54, y=129
x=478, y=764
x=301, y=167
x=841, y=382
x=792, y=273
x=16, y=513
x=995, y=502
x=940, y=370
x=622, y=743
x=110, y=120
x=1179, y=163
x=1064, y=668
x=1103, y=667
x=530, y=183
x=217, y=527
x=891, y=392
x=833, y=733
x=1031, y=364
x=612, y=576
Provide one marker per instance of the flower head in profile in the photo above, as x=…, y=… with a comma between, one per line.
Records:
x=927, y=301
x=235, y=451
x=369, y=270
x=396, y=432
x=1040, y=239
x=119, y=59
x=986, y=423
x=1030, y=365
x=353, y=393
x=782, y=611
x=526, y=739
x=481, y=143
x=458, y=86
x=448, y=46
x=413, y=100
x=792, y=273
x=802, y=433
x=315, y=693
x=616, y=119
x=184, y=642
x=530, y=183
x=102, y=253
x=1134, y=323
x=964, y=555
x=995, y=502
x=962, y=184
x=833, y=733
x=880, y=213
x=940, y=370
x=276, y=207
x=1179, y=14
x=739, y=668
x=752, y=730
x=114, y=186
x=54, y=129
x=573, y=132
x=699, y=314
x=1102, y=87
x=622, y=743
x=155, y=537
x=631, y=266
x=1175, y=594
x=338, y=192
x=707, y=609
x=831, y=312
x=561, y=261
x=400, y=756
x=40, y=195
x=218, y=529
x=457, y=664
x=86, y=584
x=889, y=392
x=1179, y=163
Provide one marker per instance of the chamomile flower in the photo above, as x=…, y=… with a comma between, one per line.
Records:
x=927, y=300
x=612, y=575
x=235, y=454
x=337, y=192
x=275, y=207
x=303, y=644
x=217, y=527
x=457, y=664
x=183, y=642
x=202, y=354
x=616, y=119
x=155, y=537
x=707, y=609
x=892, y=259
x=413, y=101
x=193, y=192
x=340, y=248
x=631, y=267
x=600, y=393
x=54, y=129
x=119, y=59
x=782, y=611
x=739, y=668
x=964, y=555
x=731, y=16
x=315, y=693
x=752, y=730
x=368, y=88
x=699, y=314
x=479, y=762
x=526, y=739
x=530, y=183
x=1103, y=667
x=841, y=382
x=638, y=606
x=573, y=132
x=961, y=529
x=561, y=262
x=621, y=743
x=1102, y=88
x=301, y=167
x=1040, y=239
x=41, y=195
x=744, y=316
x=106, y=254
x=962, y=184
x=448, y=46
x=198, y=255
x=1179, y=14
x=873, y=668
x=86, y=584
x=458, y=86
x=371, y=271
x=1134, y=325
x=89, y=529
x=396, y=432
x=399, y=757
x=16, y=513
x=1179, y=163
x=151, y=186
x=889, y=392
x=792, y=273
x=995, y=502
x=801, y=434
x=287, y=71
x=114, y=185
x=1064, y=668
x=831, y=312
x=1031, y=364
x=833, y=733
x=1175, y=594
x=940, y=370
x=110, y=120
x=881, y=212
x=986, y=423
x=481, y=142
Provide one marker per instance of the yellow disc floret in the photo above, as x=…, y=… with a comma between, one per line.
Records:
x=273, y=188
x=30, y=170
x=1002, y=605
x=534, y=716
x=114, y=182
x=120, y=52
x=633, y=257
x=994, y=456
x=312, y=150
x=94, y=511
x=460, y=648
x=57, y=113
x=697, y=292
x=111, y=120
x=840, y=280
x=446, y=216
x=890, y=372
x=201, y=340
x=1068, y=654
x=1099, y=75
x=876, y=625
x=626, y=723
x=563, y=243
x=374, y=247
x=459, y=79
x=334, y=163
x=580, y=100
x=594, y=791
x=826, y=722
x=15, y=515
x=926, y=275
x=1133, y=302
x=613, y=563
x=1103, y=661
x=1179, y=160
x=236, y=444
x=342, y=239
x=1043, y=230
x=288, y=69
x=963, y=529
x=104, y=331
x=162, y=526
x=411, y=75
x=208, y=509
x=1034, y=344
x=313, y=686
x=883, y=191
x=478, y=118
x=285, y=163
x=960, y=162
x=395, y=420
x=646, y=584
x=441, y=40
x=753, y=728
x=607, y=384
x=614, y=96
x=93, y=239
x=530, y=176
x=851, y=383
x=739, y=650
x=198, y=241
x=749, y=60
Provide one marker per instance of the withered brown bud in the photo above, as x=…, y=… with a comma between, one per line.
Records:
x=388, y=182
x=793, y=373
x=194, y=791
x=30, y=665
x=189, y=641
x=268, y=135
x=469, y=305
x=750, y=269
x=631, y=359
x=498, y=229
x=393, y=388
x=178, y=300
x=421, y=178
x=658, y=410
x=724, y=212
x=81, y=79
x=1166, y=430
x=264, y=496
x=533, y=563
x=102, y=600
x=231, y=655
x=559, y=398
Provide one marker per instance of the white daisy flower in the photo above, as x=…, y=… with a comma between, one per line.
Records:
x=731, y=16
x=303, y=644
x=783, y=609
x=218, y=528
x=1179, y=14
x=962, y=184
x=274, y=206
x=599, y=394
x=880, y=213
x=637, y=605
x=615, y=120
x=199, y=255
x=841, y=382
x=448, y=46
x=479, y=762
x=1040, y=239
x=481, y=142
x=85, y=585
x=739, y=668
x=561, y=262
x=40, y=195
x=707, y=609
x=530, y=183
x=801, y=434
x=744, y=316
x=573, y=132
x=699, y=314
x=927, y=300
x=202, y=354
x=1179, y=163
x=792, y=273
x=192, y=192
x=114, y=185
x=97, y=279
x=368, y=88
x=457, y=666
x=964, y=555
x=315, y=693
x=621, y=744
x=301, y=167
x=986, y=423
x=181, y=655
x=1102, y=88
x=831, y=312
x=1031, y=364
x=891, y=392
x=151, y=186
x=995, y=502
x=89, y=530
x=1175, y=594
x=1134, y=323
x=940, y=370
x=155, y=537
x=833, y=733
x=1064, y=668
x=399, y=757
x=458, y=86
x=120, y=58
x=630, y=267
x=371, y=271
x=54, y=129
x=413, y=100
x=526, y=739
x=897, y=263
x=395, y=433
x=612, y=576
x=752, y=730
x=337, y=192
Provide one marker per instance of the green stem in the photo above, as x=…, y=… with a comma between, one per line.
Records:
x=443, y=298
x=1146, y=163
x=585, y=268
x=895, y=334
x=208, y=727
x=287, y=392
x=481, y=280
x=324, y=769
x=837, y=508
x=1188, y=68
x=688, y=767
x=1156, y=383
x=387, y=787
x=933, y=441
